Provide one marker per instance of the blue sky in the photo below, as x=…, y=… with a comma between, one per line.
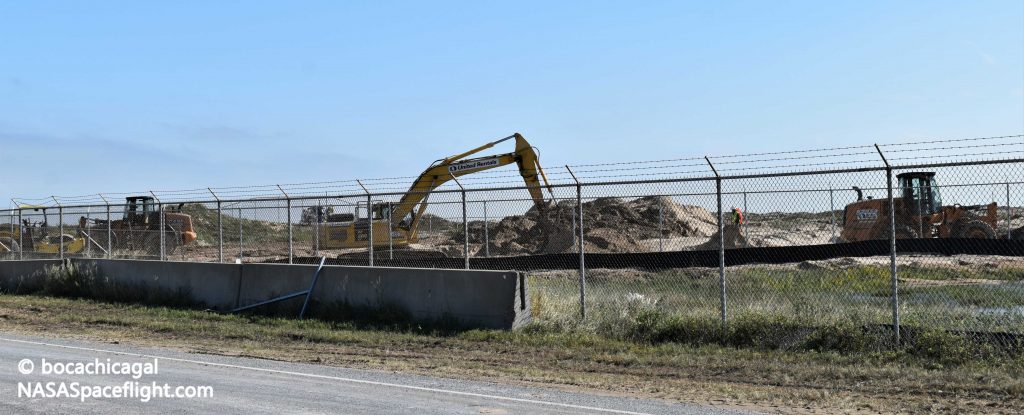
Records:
x=122, y=96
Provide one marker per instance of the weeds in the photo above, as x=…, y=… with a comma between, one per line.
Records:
x=649, y=317
x=72, y=281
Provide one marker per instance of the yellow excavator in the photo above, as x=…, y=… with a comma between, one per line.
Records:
x=396, y=223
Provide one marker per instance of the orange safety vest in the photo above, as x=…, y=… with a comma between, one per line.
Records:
x=737, y=216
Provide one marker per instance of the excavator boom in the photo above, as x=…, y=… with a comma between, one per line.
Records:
x=441, y=171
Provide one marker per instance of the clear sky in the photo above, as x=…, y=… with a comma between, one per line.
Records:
x=122, y=96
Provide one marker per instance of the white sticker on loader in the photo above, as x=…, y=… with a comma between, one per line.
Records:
x=473, y=165
x=867, y=214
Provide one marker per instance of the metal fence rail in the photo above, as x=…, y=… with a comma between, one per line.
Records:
x=617, y=240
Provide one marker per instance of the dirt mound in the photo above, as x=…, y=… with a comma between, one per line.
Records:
x=609, y=225
x=733, y=239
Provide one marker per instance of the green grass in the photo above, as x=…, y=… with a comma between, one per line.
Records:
x=767, y=308
x=204, y=221
x=790, y=304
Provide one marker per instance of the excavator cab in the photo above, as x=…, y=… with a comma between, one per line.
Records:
x=921, y=195
x=385, y=210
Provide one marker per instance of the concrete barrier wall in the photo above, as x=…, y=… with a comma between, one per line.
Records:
x=483, y=299
x=13, y=274
x=215, y=285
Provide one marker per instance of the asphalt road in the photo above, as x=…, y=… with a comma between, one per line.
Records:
x=256, y=386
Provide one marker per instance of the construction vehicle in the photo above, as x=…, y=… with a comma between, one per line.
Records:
x=919, y=213
x=138, y=231
x=395, y=224
x=38, y=236
x=140, y=227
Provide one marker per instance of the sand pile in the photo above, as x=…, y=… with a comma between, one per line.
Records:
x=610, y=225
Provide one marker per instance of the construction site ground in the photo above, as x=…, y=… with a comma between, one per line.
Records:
x=611, y=225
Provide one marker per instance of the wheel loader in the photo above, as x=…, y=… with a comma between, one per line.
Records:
x=919, y=213
x=140, y=227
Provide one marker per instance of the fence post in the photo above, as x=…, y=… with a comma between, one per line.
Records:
x=580, y=247
x=316, y=225
x=163, y=243
x=465, y=222
x=60, y=225
x=721, y=244
x=291, y=238
x=60, y=222
x=288, y=217
x=391, y=237
x=88, y=244
x=369, y=222
x=465, y=230
x=486, y=238
x=220, y=227
x=241, y=243
x=110, y=236
x=892, y=248
x=160, y=214
x=21, y=234
x=220, y=233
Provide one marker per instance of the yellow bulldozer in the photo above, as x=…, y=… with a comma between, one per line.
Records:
x=137, y=231
x=38, y=237
x=396, y=224
x=919, y=213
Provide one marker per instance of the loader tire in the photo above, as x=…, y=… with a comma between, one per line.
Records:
x=906, y=232
x=902, y=232
x=973, y=229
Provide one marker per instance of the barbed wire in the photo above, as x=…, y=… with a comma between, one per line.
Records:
x=954, y=148
x=959, y=155
x=624, y=171
x=872, y=162
x=954, y=140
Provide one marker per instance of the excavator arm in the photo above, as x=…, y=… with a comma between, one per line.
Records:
x=443, y=170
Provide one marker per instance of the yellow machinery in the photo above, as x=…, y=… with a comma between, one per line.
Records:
x=139, y=230
x=36, y=238
x=396, y=223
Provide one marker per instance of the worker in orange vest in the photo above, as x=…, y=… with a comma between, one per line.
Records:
x=737, y=216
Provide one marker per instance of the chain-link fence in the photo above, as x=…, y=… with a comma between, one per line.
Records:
x=923, y=235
